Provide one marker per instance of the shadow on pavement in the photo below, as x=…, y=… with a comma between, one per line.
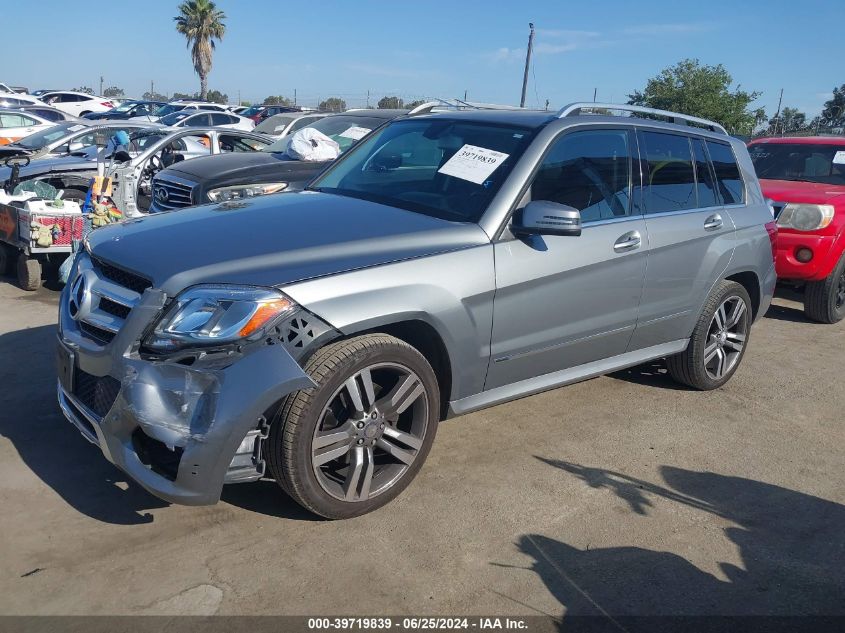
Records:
x=653, y=374
x=49, y=445
x=266, y=497
x=792, y=547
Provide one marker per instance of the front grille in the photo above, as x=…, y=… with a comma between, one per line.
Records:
x=169, y=194
x=114, y=308
x=97, y=333
x=97, y=393
x=121, y=277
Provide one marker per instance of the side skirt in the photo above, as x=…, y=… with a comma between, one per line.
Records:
x=563, y=377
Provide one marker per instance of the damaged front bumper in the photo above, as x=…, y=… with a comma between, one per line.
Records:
x=180, y=430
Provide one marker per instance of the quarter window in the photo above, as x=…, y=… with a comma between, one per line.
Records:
x=670, y=179
x=590, y=171
x=705, y=185
x=727, y=173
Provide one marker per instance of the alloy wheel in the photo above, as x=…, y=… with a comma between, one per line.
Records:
x=370, y=432
x=726, y=337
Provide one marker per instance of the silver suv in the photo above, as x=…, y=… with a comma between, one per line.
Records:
x=449, y=262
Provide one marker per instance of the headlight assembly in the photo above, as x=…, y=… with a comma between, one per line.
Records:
x=205, y=316
x=805, y=217
x=239, y=192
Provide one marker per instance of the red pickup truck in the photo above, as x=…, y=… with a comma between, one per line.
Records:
x=805, y=178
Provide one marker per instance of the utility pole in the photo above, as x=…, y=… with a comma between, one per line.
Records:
x=368, y=99
x=294, y=96
x=152, y=89
x=777, y=114
x=465, y=95
x=547, y=105
x=101, y=86
x=595, y=92
x=527, y=64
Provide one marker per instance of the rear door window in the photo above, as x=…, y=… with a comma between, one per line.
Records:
x=731, y=186
x=669, y=176
x=705, y=183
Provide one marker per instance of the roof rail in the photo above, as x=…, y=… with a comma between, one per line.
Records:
x=438, y=105
x=574, y=109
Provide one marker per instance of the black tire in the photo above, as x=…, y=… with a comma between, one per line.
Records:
x=29, y=272
x=824, y=301
x=689, y=367
x=289, y=445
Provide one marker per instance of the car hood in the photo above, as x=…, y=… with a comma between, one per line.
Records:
x=244, y=167
x=806, y=192
x=50, y=164
x=274, y=240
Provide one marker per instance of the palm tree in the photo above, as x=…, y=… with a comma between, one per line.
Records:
x=201, y=23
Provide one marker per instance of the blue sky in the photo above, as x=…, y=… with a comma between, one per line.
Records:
x=438, y=48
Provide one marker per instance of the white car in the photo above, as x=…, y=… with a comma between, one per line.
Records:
x=207, y=118
x=15, y=125
x=179, y=106
x=13, y=100
x=76, y=103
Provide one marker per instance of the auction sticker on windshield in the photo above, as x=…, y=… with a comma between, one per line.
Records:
x=839, y=158
x=473, y=163
x=355, y=133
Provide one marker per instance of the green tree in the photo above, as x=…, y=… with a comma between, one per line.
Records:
x=833, y=113
x=789, y=120
x=113, y=91
x=201, y=23
x=333, y=104
x=390, y=103
x=84, y=89
x=413, y=104
x=215, y=96
x=184, y=95
x=277, y=100
x=153, y=96
x=690, y=87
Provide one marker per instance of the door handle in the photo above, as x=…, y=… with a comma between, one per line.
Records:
x=713, y=223
x=628, y=242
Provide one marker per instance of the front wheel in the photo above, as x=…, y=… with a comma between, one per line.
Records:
x=355, y=441
x=718, y=341
x=824, y=301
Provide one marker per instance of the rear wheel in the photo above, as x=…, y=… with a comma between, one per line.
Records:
x=824, y=301
x=718, y=341
x=29, y=272
x=353, y=443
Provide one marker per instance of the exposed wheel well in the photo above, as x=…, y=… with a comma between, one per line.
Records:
x=751, y=283
x=426, y=339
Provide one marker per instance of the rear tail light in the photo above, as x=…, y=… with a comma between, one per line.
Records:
x=108, y=104
x=772, y=230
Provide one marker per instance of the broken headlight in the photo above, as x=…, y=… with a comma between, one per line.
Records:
x=217, y=315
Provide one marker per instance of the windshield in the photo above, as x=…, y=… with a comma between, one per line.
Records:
x=344, y=129
x=252, y=110
x=274, y=125
x=174, y=118
x=126, y=106
x=168, y=109
x=796, y=161
x=45, y=137
x=450, y=169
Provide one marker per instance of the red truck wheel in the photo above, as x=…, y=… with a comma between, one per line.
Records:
x=824, y=301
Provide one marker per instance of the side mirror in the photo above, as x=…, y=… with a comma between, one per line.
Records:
x=543, y=217
x=74, y=146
